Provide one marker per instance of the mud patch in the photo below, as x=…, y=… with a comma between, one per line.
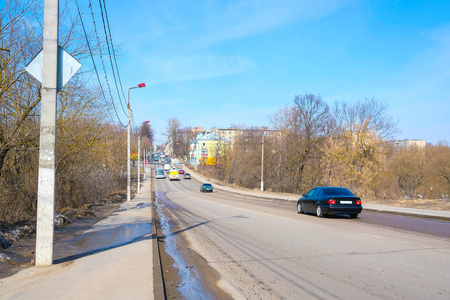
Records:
x=22, y=251
x=186, y=274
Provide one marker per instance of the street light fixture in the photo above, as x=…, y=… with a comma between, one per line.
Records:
x=139, y=158
x=140, y=85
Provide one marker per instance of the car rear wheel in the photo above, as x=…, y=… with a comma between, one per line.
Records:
x=353, y=216
x=319, y=212
x=299, y=208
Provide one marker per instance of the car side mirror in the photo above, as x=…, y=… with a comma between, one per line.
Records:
x=303, y=195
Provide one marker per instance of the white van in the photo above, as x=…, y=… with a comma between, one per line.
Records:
x=159, y=173
x=166, y=167
x=173, y=175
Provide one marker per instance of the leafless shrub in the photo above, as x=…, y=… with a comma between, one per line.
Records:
x=90, y=155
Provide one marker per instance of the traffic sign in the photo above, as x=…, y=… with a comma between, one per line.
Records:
x=67, y=67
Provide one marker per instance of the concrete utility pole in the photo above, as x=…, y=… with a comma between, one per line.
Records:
x=139, y=159
x=47, y=146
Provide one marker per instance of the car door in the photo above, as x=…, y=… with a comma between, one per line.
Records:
x=318, y=196
x=307, y=201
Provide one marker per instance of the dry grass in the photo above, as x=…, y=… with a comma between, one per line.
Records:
x=433, y=204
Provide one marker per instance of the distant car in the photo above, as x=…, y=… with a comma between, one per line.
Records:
x=181, y=171
x=206, y=187
x=330, y=200
x=187, y=176
x=159, y=173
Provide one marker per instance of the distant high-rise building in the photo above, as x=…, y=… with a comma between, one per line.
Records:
x=409, y=144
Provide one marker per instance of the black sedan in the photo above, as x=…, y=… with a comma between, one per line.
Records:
x=330, y=200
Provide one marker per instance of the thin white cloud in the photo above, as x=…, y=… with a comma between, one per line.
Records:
x=194, y=67
x=245, y=18
x=177, y=43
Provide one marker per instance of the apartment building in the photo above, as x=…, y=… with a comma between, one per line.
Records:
x=406, y=144
x=206, y=148
x=231, y=134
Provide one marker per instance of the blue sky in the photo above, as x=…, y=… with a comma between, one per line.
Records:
x=216, y=63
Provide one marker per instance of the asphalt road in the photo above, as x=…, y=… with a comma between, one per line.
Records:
x=263, y=249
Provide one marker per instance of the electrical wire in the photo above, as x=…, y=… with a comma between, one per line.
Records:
x=95, y=67
x=103, y=64
x=109, y=52
x=113, y=51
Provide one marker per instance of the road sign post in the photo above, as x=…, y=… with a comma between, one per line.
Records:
x=53, y=67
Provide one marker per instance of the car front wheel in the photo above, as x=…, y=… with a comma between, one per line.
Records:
x=319, y=212
x=299, y=208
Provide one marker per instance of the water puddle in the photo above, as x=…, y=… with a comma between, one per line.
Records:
x=143, y=205
x=138, y=206
x=190, y=287
x=102, y=238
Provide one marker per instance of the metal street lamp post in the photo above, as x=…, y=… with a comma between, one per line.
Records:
x=262, y=162
x=139, y=159
x=140, y=85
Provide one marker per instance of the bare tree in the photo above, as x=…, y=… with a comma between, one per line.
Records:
x=173, y=134
x=409, y=168
x=246, y=158
x=19, y=93
x=304, y=125
x=179, y=137
x=86, y=162
x=438, y=158
x=356, y=151
x=147, y=133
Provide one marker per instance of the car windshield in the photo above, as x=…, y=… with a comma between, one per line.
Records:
x=337, y=192
x=207, y=185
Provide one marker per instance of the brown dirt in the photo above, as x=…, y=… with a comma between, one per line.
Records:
x=22, y=251
x=433, y=204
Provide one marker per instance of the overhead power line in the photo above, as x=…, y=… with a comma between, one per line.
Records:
x=103, y=64
x=111, y=49
x=95, y=67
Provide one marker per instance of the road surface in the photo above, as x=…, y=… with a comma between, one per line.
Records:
x=263, y=249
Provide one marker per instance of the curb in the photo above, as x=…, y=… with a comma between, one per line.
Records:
x=159, y=288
